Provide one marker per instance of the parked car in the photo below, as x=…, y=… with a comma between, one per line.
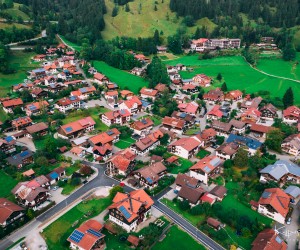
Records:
x=85, y=182
x=289, y=220
x=55, y=188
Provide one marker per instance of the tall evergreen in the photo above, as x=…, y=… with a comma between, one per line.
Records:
x=157, y=72
x=288, y=98
x=224, y=87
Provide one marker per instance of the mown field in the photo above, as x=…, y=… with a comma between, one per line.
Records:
x=16, y=13
x=120, y=77
x=7, y=183
x=142, y=20
x=239, y=75
x=21, y=62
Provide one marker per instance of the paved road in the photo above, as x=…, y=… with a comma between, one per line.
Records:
x=103, y=180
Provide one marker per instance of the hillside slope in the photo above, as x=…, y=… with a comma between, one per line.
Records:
x=143, y=20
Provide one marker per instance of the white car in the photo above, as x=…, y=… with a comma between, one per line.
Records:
x=289, y=220
x=55, y=188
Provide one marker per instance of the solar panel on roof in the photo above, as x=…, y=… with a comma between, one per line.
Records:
x=278, y=239
x=125, y=212
x=9, y=138
x=76, y=236
x=207, y=169
x=182, y=115
x=215, y=162
x=265, y=195
x=72, y=98
x=93, y=232
x=69, y=129
x=149, y=180
x=109, y=132
x=24, y=153
x=32, y=107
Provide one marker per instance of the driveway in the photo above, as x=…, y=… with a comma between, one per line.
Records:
x=289, y=232
x=27, y=142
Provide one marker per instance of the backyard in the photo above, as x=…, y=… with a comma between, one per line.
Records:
x=182, y=167
x=239, y=75
x=56, y=234
x=124, y=143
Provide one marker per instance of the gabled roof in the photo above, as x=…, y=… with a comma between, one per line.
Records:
x=207, y=164
x=129, y=204
x=216, y=111
x=173, y=122
x=151, y=172
x=149, y=92
x=245, y=141
x=268, y=239
x=12, y=103
x=101, y=138
x=7, y=208
x=281, y=168
x=191, y=194
x=122, y=159
x=276, y=198
x=36, y=127
x=142, y=124
x=78, y=125
x=191, y=107
x=293, y=191
x=188, y=143
x=292, y=111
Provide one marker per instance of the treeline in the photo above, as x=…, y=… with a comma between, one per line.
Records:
x=275, y=13
x=10, y=35
x=3, y=58
x=76, y=19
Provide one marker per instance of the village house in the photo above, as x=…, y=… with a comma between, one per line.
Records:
x=78, y=151
x=32, y=193
x=185, y=180
x=21, y=123
x=56, y=87
x=161, y=88
x=133, y=105
x=112, y=86
x=36, y=108
x=274, y=203
x=268, y=112
x=214, y=223
x=291, y=145
x=268, y=239
x=129, y=210
x=21, y=159
x=126, y=94
x=214, y=96
x=190, y=88
x=237, y=127
x=100, y=78
x=215, y=113
x=206, y=168
x=260, y=131
x=101, y=153
x=22, y=86
x=234, y=95
x=121, y=117
x=202, y=80
x=199, y=45
x=142, y=127
x=222, y=128
x=84, y=93
x=149, y=176
x=291, y=115
x=208, y=135
x=108, y=137
x=219, y=192
x=88, y=236
x=38, y=73
x=50, y=68
x=112, y=98
x=10, y=105
x=141, y=58
x=293, y=191
x=138, y=71
x=189, y=120
x=249, y=144
x=192, y=195
x=203, y=44
x=144, y=145
x=251, y=116
x=38, y=93
x=281, y=172
x=68, y=104
x=8, y=145
x=76, y=128
x=37, y=129
x=254, y=103
x=149, y=93
x=52, y=79
x=121, y=163
x=227, y=151
x=39, y=58
x=191, y=108
x=9, y=212
x=186, y=147
x=173, y=124
x=55, y=175
x=161, y=49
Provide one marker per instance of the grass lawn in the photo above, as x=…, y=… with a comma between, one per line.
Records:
x=3, y=115
x=68, y=188
x=120, y=77
x=124, y=143
x=56, y=234
x=7, y=183
x=142, y=20
x=241, y=241
x=21, y=62
x=177, y=239
x=15, y=12
x=202, y=153
x=192, y=131
x=93, y=112
x=280, y=67
x=238, y=75
x=70, y=170
x=73, y=45
x=230, y=202
x=183, y=166
x=194, y=219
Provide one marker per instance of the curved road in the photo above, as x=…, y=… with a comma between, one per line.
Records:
x=102, y=180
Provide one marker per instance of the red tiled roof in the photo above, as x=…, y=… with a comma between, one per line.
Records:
x=78, y=125
x=191, y=107
x=268, y=240
x=188, y=143
x=148, y=92
x=216, y=111
x=7, y=208
x=292, y=111
x=12, y=103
